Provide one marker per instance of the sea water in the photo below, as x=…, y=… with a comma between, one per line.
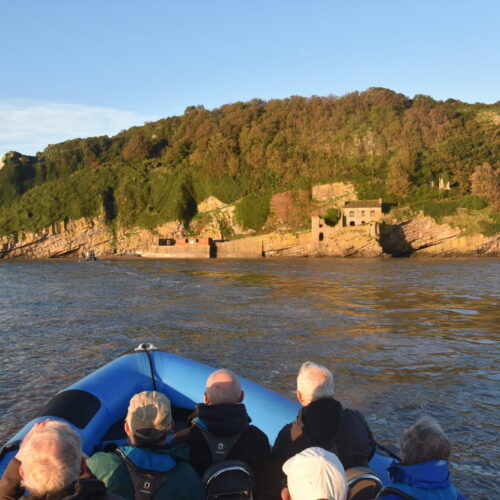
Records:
x=404, y=338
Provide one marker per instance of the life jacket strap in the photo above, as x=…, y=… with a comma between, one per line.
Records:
x=219, y=446
x=146, y=483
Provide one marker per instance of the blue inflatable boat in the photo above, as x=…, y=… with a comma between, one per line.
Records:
x=96, y=405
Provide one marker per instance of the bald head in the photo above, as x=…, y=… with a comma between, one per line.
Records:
x=223, y=386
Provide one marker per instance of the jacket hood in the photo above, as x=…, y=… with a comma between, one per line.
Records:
x=429, y=475
x=222, y=419
x=321, y=420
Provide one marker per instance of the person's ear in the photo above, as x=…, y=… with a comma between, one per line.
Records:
x=285, y=494
x=242, y=396
x=83, y=466
x=300, y=398
x=21, y=471
x=127, y=428
x=205, y=398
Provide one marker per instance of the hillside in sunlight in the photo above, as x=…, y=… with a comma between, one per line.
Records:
x=385, y=143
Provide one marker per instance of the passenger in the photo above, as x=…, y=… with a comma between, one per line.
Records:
x=315, y=474
x=50, y=464
x=224, y=417
x=147, y=467
x=423, y=471
x=323, y=422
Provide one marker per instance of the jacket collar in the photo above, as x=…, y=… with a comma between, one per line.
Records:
x=431, y=474
x=222, y=419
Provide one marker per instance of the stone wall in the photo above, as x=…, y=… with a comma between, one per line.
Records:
x=244, y=248
x=178, y=252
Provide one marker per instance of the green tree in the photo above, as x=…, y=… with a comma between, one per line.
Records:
x=398, y=180
x=137, y=148
x=485, y=182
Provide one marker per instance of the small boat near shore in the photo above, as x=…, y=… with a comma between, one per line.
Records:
x=96, y=405
x=90, y=256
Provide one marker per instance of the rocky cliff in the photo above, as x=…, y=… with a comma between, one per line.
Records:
x=74, y=238
x=422, y=236
x=419, y=236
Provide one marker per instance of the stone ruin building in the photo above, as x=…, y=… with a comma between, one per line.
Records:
x=359, y=212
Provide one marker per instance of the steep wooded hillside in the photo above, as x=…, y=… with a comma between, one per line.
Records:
x=386, y=144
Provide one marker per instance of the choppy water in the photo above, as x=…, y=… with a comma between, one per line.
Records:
x=405, y=338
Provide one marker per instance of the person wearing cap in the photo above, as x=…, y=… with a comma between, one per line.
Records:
x=315, y=474
x=50, y=464
x=147, y=462
x=224, y=415
x=322, y=421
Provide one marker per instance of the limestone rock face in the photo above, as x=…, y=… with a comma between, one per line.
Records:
x=337, y=193
x=59, y=240
x=79, y=236
x=423, y=236
x=211, y=203
x=475, y=245
x=217, y=224
x=287, y=245
x=348, y=242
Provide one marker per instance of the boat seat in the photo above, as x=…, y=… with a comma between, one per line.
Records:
x=364, y=484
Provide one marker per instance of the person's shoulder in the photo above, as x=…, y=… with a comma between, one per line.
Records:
x=103, y=459
x=350, y=416
x=185, y=483
x=256, y=433
x=284, y=436
x=286, y=428
x=186, y=434
x=187, y=470
x=179, y=451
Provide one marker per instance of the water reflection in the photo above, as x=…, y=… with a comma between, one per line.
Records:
x=403, y=337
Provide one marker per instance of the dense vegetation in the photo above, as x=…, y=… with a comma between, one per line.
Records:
x=385, y=143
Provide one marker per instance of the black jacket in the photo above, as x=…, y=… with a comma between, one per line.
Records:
x=326, y=424
x=225, y=420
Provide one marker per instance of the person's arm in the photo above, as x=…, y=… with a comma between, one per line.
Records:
x=10, y=484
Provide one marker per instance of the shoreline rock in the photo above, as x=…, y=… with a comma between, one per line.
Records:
x=417, y=238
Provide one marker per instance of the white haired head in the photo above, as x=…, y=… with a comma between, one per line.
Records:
x=314, y=382
x=424, y=441
x=223, y=386
x=315, y=473
x=51, y=458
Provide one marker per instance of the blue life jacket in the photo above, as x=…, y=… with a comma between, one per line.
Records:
x=424, y=481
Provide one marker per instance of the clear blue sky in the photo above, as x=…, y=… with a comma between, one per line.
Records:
x=79, y=68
